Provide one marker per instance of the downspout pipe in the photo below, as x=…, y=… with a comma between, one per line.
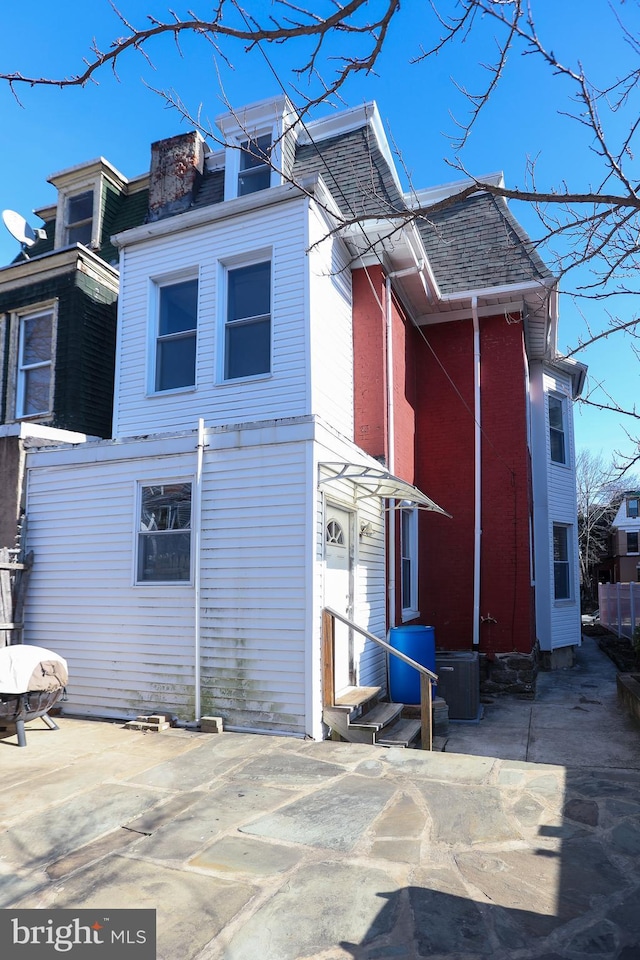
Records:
x=477, y=479
x=197, y=513
x=391, y=519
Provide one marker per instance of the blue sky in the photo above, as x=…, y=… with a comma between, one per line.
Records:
x=54, y=128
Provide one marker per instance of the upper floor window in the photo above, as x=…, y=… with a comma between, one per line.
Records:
x=176, y=339
x=632, y=543
x=561, y=562
x=35, y=350
x=557, y=428
x=79, y=218
x=632, y=507
x=247, y=342
x=164, y=533
x=255, y=169
x=409, y=562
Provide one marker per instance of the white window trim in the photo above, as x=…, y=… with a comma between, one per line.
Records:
x=233, y=151
x=157, y=482
x=571, y=565
x=153, y=314
x=13, y=379
x=410, y=613
x=61, y=237
x=565, y=427
x=243, y=260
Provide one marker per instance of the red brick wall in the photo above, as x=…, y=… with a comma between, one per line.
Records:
x=445, y=459
x=370, y=371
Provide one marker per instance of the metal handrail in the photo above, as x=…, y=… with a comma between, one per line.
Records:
x=427, y=677
x=386, y=646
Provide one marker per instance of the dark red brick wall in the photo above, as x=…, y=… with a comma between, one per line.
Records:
x=370, y=372
x=445, y=458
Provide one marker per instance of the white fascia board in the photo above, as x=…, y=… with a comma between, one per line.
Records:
x=255, y=114
x=209, y=214
x=464, y=313
x=429, y=196
x=107, y=451
x=229, y=436
x=34, y=433
x=505, y=289
x=576, y=371
x=15, y=276
x=85, y=171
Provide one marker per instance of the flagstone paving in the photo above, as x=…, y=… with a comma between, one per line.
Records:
x=263, y=848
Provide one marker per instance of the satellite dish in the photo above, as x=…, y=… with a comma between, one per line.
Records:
x=20, y=229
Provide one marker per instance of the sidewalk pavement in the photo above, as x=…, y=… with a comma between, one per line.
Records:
x=521, y=839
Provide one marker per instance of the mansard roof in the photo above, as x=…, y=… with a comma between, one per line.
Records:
x=476, y=243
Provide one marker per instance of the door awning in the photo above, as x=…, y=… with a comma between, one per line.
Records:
x=376, y=482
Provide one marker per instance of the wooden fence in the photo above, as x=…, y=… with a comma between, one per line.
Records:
x=14, y=576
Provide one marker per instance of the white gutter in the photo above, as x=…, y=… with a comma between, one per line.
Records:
x=390, y=458
x=197, y=512
x=477, y=479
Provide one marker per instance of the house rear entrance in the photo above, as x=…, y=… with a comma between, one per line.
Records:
x=338, y=591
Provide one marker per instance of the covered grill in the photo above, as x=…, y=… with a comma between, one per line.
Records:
x=32, y=680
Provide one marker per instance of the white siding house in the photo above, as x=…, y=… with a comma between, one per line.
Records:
x=183, y=566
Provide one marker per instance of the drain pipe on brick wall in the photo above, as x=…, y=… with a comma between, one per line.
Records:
x=390, y=455
x=477, y=479
x=197, y=513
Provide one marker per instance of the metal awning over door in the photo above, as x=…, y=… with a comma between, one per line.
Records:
x=377, y=482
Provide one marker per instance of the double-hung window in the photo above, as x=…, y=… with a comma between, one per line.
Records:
x=561, y=562
x=632, y=507
x=409, y=562
x=632, y=542
x=35, y=349
x=175, y=356
x=255, y=170
x=164, y=533
x=247, y=339
x=557, y=432
x=79, y=218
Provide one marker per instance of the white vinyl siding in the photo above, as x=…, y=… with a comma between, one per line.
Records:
x=279, y=228
x=557, y=618
x=130, y=648
x=331, y=332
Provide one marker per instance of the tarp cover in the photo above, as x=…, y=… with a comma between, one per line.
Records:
x=24, y=668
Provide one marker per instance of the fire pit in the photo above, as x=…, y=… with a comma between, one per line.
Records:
x=32, y=680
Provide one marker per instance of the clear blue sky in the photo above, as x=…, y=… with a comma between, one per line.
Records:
x=55, y=129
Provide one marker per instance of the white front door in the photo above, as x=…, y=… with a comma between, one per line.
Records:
x=338, y=588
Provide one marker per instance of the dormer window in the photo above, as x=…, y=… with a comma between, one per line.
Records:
x=260, y=146
x=255, y=169
x=79, y=218
x=632, y=507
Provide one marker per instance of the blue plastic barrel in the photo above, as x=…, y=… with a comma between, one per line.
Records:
x=419, y=643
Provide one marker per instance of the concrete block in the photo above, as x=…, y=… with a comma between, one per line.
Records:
x=211, y=725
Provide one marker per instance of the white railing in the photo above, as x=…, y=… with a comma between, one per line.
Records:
x=620, y=607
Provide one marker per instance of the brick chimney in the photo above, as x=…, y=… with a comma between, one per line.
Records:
x=176, y=168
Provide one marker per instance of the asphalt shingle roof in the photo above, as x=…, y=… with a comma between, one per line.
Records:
x=476, y=243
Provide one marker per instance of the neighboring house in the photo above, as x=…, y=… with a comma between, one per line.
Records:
x=625, y=539
x=58, y=323
x=286, y=389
